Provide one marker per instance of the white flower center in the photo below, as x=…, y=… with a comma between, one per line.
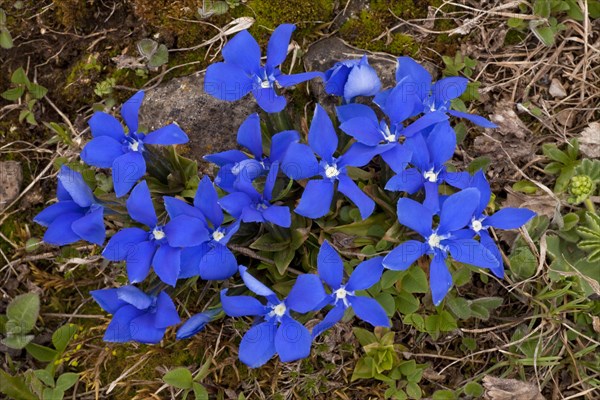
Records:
x=476, y=225
x=158, y=234
x=135, y=146
x=390, y=138
x=434, y=241
x=331, y=171
x=341, y=293
x=431, y=176
x=279, y=309
x=265, y=84
x=218, y=235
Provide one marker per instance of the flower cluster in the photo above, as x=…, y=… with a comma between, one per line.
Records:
x=407, y=127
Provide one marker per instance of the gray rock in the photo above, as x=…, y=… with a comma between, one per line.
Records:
x=11, y=178
x=210, y=123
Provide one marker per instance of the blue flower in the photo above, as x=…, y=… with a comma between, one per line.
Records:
x=300, y=163
x=428, y=157
x=351, y=78
x=241, y=72
x=365, y=275
x=196, y=323
x=506, y=218
x=77, y=215
x=136, y=315
x=235, y=165
x=160, y=246
x=449, y=237
x=275, y=330
x=248, y=205
x=412, y=79
x=124, y=152
x=211, y=260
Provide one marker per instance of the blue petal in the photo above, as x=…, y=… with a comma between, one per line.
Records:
x=251, y=214
x=126, y=171
x=108, y=300
x=364, y=203
x=470, y=251
x=404, y=255
x=369, y=310
x=169, y=134
x=278, y=215
x=359, y=154
x=123, y=243
x=139, y=260
x=432, y=196
x=226, y=157
x=226, y=82
x=217, y=264
x=294, y=79
x=397, y=157
x=362, y=81
x=447, y=89
x=103, y=124
x=176, y=207
x=241, y=306
x=351, y=111
x=509, y=218
x=249, y=135
x=60, y=233
x=243, y=51
x=457, y=210
x=258, y=345
x=118, y=329
x=321, y=135
x=130, y=110
x=143, y=330
x=74, y=184
x=330, y=266
x=441, y=143
x=440, y=279
x=280, y=142
x=306, y=293
x=485, y=192
x=407, y=67
x=278, y=45
x=207, y=200
x=101, y=152
x=235, y=203
x=292, y=340
x=364, y=130
x=254, y=284
x=489, y=243
x=196, y=323
x=185, y=231
x=316, y=199
x=134, y=296
x=91, y=226
x=400, y=103
x=62, y=194
x=166, y=313
x=166, y=263
x=424, y=122
x=476, y=119
x=415, y=216
x=365, y=275
x=333, y=317
x=190, y=259
x=420, y=153
x=270, y=181
x=269, y=100
x=54, y=211
x=300, y=162
x=335, y=77
x=140, y=207
x=460, y=180
x=409, y=181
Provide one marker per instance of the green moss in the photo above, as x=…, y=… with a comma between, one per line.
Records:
x=513, y=37
x=71, y=13
x=80, y=80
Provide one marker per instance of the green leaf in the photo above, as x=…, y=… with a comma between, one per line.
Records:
x=41, y=353
x=13, y=94
x=19, y=77
x=473, y=389
x=6, y=41
x=159, y=58
x=387, y=302
x=66, y=380
x=45, y=376
x=180, y=378
x=283, y=259
x=53, y=394
x=364, y=337
x=442, y=322
x=480, y=163
x=267, y=243
x=459, y=306
x=24, y=309
x=147, y=47
x=523, y=263
x=62, y=336
x=37, y=91
x=545, y=34
x=525, y=186
x=364, y=369
x=415, y=281
x=2, y=17
x=413, y=390
x=406, y=303
x=415, y=320
x=542, y=8
x=219, y=7
x=516, y=23
x=15, y=388
x=17, y=342
x=200, y=392
x=444, y=395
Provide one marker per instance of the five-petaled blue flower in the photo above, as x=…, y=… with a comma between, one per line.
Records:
x=365, y=275
x=235, y=165
x=124, y=152
x=506, y=218
x=352, y=78
x=160, y=246
x=300, y=163
x=211, y=260
x=136, y=315
x=449, y=237
x=242, y=73
x=248, y=205
x=76, y=216
x=275, y=330
x=196, y=323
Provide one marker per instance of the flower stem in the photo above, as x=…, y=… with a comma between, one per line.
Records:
x=589, y=204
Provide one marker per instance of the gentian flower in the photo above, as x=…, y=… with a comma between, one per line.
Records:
x=300, y=163
x=431, y=97
x=351, y=78
x=449, y=237
x=160, y=246
x=77, y=215
x=242, y=73
x=136, y=315
x=211, y=260
x=124, y=152
x=275, y=330
x=235, y=165
x=196, y=323
x=365, y=275
x=249, y=205
x=506, y=218
x=428, y=157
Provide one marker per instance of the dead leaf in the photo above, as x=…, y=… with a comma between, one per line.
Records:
x=542, y=204
x=596, y=323
x=509, y=389
x=508, y=121
x=557, y=89
x=11, y=177
x=589, y=140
